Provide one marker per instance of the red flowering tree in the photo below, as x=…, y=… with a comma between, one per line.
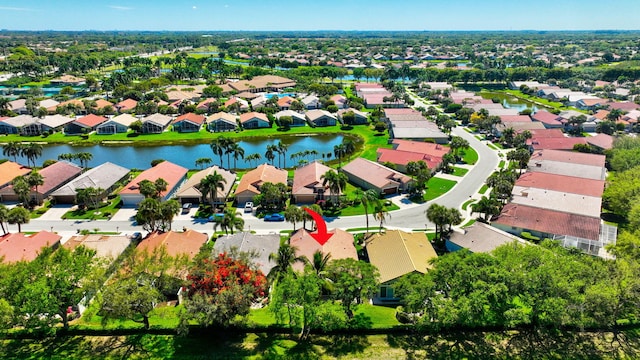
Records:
x=222, y=288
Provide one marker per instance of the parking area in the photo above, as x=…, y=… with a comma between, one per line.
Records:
x=56, y=212
x=124, y=214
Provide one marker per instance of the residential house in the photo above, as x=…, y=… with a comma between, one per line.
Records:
x=25, y=125
x=601, y=141
x=568, y=163
x=187, y=243
x=173, y=174
x=54, y=123
x=397, y=253
x=155, y=123
x=254, y=120
x=549, y=120
x=15, y=247
x=105, y=246
x=297, y=119
x=68, y=80
x=188, y=122
x=10, y=170
x=84, y=125
x=251, y=182
x=191, y=192
x=106, y=176
x=340, y=101
x=590, y=103
x=307, y=184
x=339, y=246
x=259, y=101
x=116, y=124
x=236, y=102
x=518, y=127
x=311, y=102
x=371, y=175
x=205, y=104
x=320, y=118
x=263, y=83
x=361, y=118
x=260, y=246
x=480, y=238
x=221, y=122
x=284, y=103
x=126, y=105
x=54, y=175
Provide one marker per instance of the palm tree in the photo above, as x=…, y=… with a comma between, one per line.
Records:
x=335, y=181
x=217, y=147
x=18, y=215
x=34, y=179
x=202, y=162
x=349, y=147
x=84, y=158
x=319, y=262
x=4, y=216
x=282, y=150
x=210, y=184
x=238, y=153
x=367, y=198
x=294, y=214
x=488, y=206
x=168, y=209
x=22, y=189
x=381, y=213
x=339, y=152
x=270, y=153
x=252, y=157
x=284, y=259
x=32, y=151
x=229, y=222
x=12, y=149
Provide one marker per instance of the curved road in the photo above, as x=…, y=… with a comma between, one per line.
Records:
x=408, y=217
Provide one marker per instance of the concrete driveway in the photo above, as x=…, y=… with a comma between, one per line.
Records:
x=124, y=214
x=56, y=212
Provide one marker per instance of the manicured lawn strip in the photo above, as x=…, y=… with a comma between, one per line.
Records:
x=469, y=223
x=109, y=209
x=498, y=145
x=479, y=137
x=501, y=164
x=483, y=189
x=359, y=210
x=469, y=156
x=458, y=171
x=437, y=187
x=491, y=146
x=467, y=203
x=468, y=130
x=381, y=317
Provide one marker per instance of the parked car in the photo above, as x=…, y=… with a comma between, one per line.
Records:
x=186, y=207
x=215, y=217
x=248, y=207
x=274, y=217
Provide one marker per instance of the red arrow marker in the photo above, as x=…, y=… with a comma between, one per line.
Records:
x=321, y=236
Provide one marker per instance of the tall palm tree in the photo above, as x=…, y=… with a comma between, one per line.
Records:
x=367, y=197
x=4, y=216
x=238, y=153
x=319, y=262
x=217, y=147
x=229, y=222
x=202, y=162
x=437, y=214
x=210, y=184
x=227, y=146
x=270, y=154
x=32, y=151
x=381, y=213
x=84, y=158
x=335, y=181
x=18, y=215
x=284, y=259
x=34, y=179
x=339, y=152
x=282, y=150
x=12, y=149
x=253, y=157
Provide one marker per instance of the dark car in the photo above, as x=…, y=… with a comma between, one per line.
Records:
x=274, y=217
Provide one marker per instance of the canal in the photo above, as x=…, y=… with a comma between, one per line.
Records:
x=140, y=157
x=511, y=102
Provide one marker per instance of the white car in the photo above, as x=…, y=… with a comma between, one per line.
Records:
x=248, y=207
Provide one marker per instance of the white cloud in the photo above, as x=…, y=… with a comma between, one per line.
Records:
x=118, y=7
x=194, y=7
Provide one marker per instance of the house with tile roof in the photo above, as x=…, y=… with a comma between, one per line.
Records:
x=601, y=141
x=188, y=122
x=307, y=184
x=297, y=119
x=116, y=124
x=561, y=183
x=251, y=182
x=156, y=123
x=26, y=125
x=310, y=102
x=84, y=125
x=549, y=120
x=126, y=105
x=241, y=104
x=284, y=103
x=187, y=243
x=568, y=163
x=397, y=253
x=205, y=104
x=54, y=123
x=105, y=246
x=480, y=238
x=54, y=175
x=261, y=246
x=15, y=247
x=371, y=175
x=190, y=191
x=320, y=118
x=254, y=120
x=173, y=174
x=10, y=170
x=221, y=122
x=339, y=246
x=360, y=118
x=106, y=176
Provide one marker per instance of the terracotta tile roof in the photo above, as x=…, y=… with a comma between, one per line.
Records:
x=601, y=114
x=400, y=157
x=91, y=120
x=126, y=105
x=569, y=157
x=170, y=172
x=285, y=101
x=253, y=179
x=396, y=253
x=603, y=141
x=626, y=106
x=191, y=117
x=204, y=104
x=19, y=247
x=515, y=118
x=190, y=188
x=593, y=102
x=307, y=178
x=374, y=173
x=101, y=103
x=253, y=115
x=435, y=150
x=9, y=170
x=556, y=200
x=564, y=143
x=563, y=183
x=546, y=117
x=176, y=243
x=340, y=246
x=549, y=221
x=75, y=102
x=105, y=246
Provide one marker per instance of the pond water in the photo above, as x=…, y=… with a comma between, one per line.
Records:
x=140, y=157
x=511, y=102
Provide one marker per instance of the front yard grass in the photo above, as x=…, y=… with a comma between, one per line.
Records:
x=483, y=189
x=102, y=213
x=469, y=156
x=438, y=187
x=458, y=171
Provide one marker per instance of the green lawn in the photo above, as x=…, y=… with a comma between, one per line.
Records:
x=501, y=164
x=458, y=171
x=102, y=213
x=437, y=187
x=483, y=189
x=492, y=146
x=467, y=203
x=469, y=156
x=469, y=223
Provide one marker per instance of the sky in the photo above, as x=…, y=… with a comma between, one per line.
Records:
x=257, y=15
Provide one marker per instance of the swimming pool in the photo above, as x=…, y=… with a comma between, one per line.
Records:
x=269, y=96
